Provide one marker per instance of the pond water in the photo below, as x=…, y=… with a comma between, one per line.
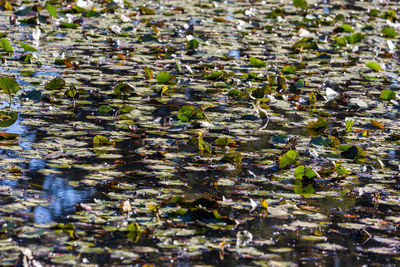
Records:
x=200, y=133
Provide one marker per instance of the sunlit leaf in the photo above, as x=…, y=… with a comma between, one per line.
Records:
x=225, y=141
x=9, y=85
x=27, y=47
x=125, y=206
x=374, y=66
x=164, y=77
x=72, y=93
x=192, y=44
x=188, y=113
x=6, y=46
x=288, y=158
x=387, y=95
x=100, y=140
x=264, y=204
x=321, y=123
x=149, y=73
x=389, y=32
x=300, y=4
x=346, y=28
x=69, y=25
x=304, y=172
x=51, y=9
x=378, y=125
x=217, y=76
x=258, y=63
x=349, y=125
x=289, y=69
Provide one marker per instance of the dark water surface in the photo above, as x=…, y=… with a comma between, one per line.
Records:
x=152, y=193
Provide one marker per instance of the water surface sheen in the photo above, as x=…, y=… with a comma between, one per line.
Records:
x=201, y=133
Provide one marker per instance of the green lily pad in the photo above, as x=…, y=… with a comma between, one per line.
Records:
x=300, y=4
x=188, y=113
x=304, y=172
x=9, y=85
x=258, y=63
x=57, y=83
x=320, y=124
x=8, y=118
x=288, y=158
x=27, y=47
x=387, y=95
x=164, y=77
x=389, y=32
x=6, y=46
x=374, y=66
x=52, y=10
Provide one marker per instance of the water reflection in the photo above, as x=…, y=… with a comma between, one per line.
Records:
x=63, y=199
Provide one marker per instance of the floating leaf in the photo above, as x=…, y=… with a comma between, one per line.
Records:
x=164, y=89
x=6, y=46
x=8, y=118
x=352, y=152
x=125, y=206
x=289, y=69
x=258, y=63
x=346, y=28
x=148, y=73
x=164, y=77
x=192, y=44
x=57, y=83
x=340, y=170
x=188, y=113
x=8, y=136
x=72, y=93
x=51, y=9
x=387, y=95
x=300, y=4
x=374, y=66
x=355, y=38
x=304, y=172
x=232, y=157
x=100, y=140
x=320, y=124
x=225, y=141
x=104, y=109
x=134, y=227
x=378, y=125
x=288, y=158
x=146, y=10
x=321, y=141
x=148, y=38
x=9, y=85
x=306, y=43
x=282, y=85
x=123, y=88
x=27, y=47
x=217, y=76
x=349, y=124
x=69, y=25
x=264, y=204
x=201, y=144
x=389, y=32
